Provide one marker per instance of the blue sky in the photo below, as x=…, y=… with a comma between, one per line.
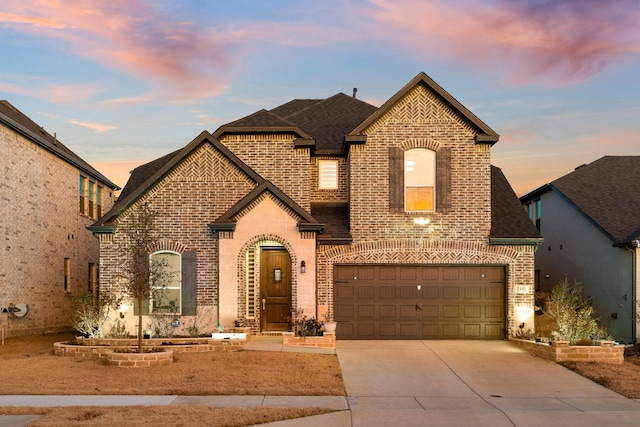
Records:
x=123, y=82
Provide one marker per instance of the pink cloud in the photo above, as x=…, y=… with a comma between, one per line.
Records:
x=132, y=36
x=553, y=42
x=98, y=127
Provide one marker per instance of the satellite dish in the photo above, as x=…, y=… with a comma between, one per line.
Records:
x=19, y=310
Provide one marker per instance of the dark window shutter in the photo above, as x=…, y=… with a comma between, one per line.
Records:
x=396, y=179
x=443, y=180
x=145, y=307
x=189, y=283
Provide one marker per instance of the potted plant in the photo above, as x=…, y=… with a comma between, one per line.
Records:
x=329, y=325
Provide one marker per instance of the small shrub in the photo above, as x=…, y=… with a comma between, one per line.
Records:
x=574, y=316
x=304, y=326
x=118, y=329
x=525, y=334
x=91, y=314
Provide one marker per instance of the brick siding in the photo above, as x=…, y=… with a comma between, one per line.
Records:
x=41, y=225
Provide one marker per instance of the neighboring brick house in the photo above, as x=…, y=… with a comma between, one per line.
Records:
x=391, y=220
x=49, y=196
x=591, y=225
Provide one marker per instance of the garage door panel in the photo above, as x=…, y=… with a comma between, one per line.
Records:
x=366, y=330
x=493, y=292
x=430, y=273
x=366, y=311
x=430, y=311
x=366, y=292
x=474, y=293
x=408, y=312
x=388, y=273
x=409, y=292
x=451, y=311
x=451, y=331
x=450, y=292
x=452, y=302
x=493, y=311
x=430, y=292
x=493, y=331
x=366, y=273
x=387, y=292
x=472, y=330
x=472, y=311
x=344, y=292
x=388, y=311
x=430, y=330
x=388, y=330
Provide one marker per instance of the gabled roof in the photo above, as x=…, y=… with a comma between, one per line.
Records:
x=323, y=121
x=146, y=176
x=509, y=221
x=607, y=192
x=19, y=122
x=485, y=133
x=263, y=120
x=226, y=221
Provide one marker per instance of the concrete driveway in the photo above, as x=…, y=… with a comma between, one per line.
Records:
x=470, y=383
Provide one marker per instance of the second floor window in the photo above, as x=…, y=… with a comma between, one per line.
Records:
x=327, y=174
x=82, y=190
x=419, y=180
x=92, y=199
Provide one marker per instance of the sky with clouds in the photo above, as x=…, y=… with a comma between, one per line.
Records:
x=123, y=82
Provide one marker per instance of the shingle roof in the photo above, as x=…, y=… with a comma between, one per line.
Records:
x=327, y=121
x=146, y=176
x=14, y=118
x=335, y=217
x=508, y=218
x=607, y=191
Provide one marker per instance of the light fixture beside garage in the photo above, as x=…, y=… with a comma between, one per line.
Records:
x=303, y=267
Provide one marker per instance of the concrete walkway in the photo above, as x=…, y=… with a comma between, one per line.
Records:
x=417, y=383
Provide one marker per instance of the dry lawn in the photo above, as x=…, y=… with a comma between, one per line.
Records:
x=147, y=416
x=30, y=367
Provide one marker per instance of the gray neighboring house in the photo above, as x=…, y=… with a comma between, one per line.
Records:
x=590, y=221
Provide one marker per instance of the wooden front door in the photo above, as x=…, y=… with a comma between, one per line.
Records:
x=275, y=286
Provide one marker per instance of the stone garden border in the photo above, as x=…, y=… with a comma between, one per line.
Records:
x=561, y=351
x=95, y=348
x=327, y=340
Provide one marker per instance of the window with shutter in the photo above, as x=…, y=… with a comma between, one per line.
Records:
x=419, y=180
x=428, y=190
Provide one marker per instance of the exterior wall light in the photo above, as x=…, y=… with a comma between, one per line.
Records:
x=421, y=221
x=303, y=267
x=122, y=309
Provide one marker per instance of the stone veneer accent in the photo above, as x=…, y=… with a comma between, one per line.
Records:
x=327, y=340
x=561, y=351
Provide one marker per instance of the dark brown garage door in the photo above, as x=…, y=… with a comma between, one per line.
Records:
x=419, y=302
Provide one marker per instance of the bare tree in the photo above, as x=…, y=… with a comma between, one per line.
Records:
x=142, y=275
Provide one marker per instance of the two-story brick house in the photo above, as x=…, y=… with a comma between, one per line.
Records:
x=391, y=220
x=49, y=196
